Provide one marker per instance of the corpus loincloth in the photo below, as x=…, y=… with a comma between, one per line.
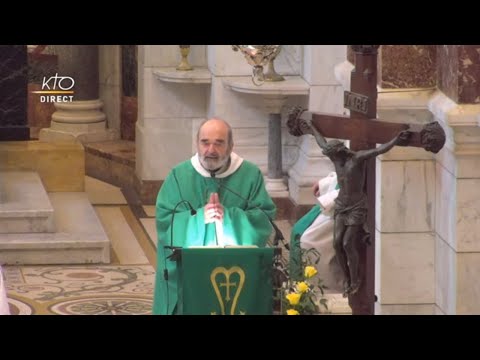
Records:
x=355, y=214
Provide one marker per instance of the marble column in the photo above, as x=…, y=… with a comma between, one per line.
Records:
x=13, y=87
x=325, y=95
x=457, y=244
x=427, y=243
x=274, y=96
x=13, y=102
x=405, y=192
x=275, y=183
x=82, y=118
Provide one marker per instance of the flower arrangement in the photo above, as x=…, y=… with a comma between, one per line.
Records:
x=303, y=294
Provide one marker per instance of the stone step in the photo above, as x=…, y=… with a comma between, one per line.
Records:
x=79, y=237
x=25, y=206
x=111, y=161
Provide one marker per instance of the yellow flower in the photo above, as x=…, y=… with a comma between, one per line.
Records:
x=302, y=287
x=310, y=271
x=293, y=298
x=292, y=312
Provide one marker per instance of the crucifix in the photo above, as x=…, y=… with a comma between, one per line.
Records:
x=354, y=230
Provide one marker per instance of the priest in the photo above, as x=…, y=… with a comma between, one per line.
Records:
x=216, y=198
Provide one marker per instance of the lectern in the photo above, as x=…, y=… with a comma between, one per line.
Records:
x=225, y=281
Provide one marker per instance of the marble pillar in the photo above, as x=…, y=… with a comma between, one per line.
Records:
x=272, y=97
x=129, y=100
x=81, y=119
x=325, y=95
x=427, y=243
x=110, y=84
x=275, y=183
x=407, y=66
x=457, y=106
x=13, y=87
x=405, y=194
x=13, y=102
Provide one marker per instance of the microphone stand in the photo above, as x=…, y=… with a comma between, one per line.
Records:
x=192, y=212
x=174, y=255
x=175, y=249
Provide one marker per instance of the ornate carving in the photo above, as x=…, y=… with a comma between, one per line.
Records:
x=259, y=56
x=365, y=49
x=432, y=137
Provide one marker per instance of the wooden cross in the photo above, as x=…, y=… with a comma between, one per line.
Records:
x=365, y=131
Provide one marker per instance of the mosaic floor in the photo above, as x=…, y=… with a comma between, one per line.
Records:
x=124, y=287
x=80, y=290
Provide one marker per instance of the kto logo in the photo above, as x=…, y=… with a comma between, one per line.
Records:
x=56, y=89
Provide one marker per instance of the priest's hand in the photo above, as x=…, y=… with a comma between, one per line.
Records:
x=316, y=189
x=213, y=209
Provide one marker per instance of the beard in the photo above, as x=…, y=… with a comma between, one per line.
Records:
x=213, y=163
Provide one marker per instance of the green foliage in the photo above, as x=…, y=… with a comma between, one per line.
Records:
x=303, y=292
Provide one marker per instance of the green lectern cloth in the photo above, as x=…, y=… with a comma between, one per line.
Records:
x=225, y=281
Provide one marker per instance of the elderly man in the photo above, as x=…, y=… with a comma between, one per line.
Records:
x=214, y=192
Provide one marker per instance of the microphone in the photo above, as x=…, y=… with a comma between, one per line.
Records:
x=278, y=234
x=193, y=212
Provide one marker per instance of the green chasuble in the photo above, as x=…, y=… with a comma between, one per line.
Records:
x=243, y=223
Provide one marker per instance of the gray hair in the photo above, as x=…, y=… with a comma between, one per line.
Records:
x=229, y=129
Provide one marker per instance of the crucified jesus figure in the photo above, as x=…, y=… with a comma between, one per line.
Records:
x=351, y=206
